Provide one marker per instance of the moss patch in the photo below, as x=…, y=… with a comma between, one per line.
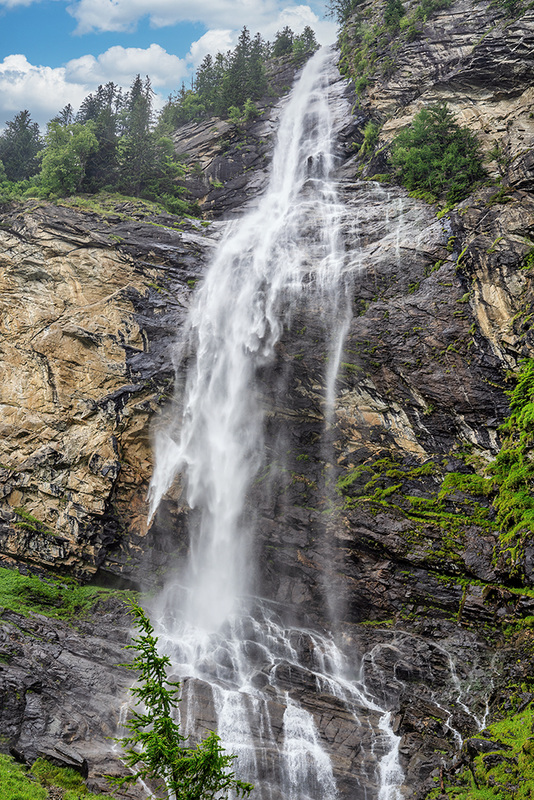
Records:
x=17, y=783
x=52, y=597
x=506, y=770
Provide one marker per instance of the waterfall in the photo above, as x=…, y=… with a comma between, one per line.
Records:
x=278, y=694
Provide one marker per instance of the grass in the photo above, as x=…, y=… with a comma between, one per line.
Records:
x=107, y=204
x=52, y=597
x=19, y=783
x=15, y=784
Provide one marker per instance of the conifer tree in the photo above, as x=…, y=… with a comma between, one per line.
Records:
x=283, y=42
x=137, y=145
x=155, y=748
x=20, y=144
x=102, y=108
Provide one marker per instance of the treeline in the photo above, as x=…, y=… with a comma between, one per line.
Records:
x=228, y=84
x=115, y=142
x=111, y=144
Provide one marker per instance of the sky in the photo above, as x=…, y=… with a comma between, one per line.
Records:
x=54, y=52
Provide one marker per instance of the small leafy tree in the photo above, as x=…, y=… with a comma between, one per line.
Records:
x=155, y=748
x=67, y=149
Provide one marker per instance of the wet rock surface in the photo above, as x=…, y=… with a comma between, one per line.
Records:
x=85, y=363
x=61, y=688
x=440, y=309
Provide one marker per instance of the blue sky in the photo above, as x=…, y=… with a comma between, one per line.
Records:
x=53, y=52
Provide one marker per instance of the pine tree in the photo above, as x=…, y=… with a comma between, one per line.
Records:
x=20, y=144
x=236, y=84
x=137, y=145
x=283, y=42
x=257, y=79
x=155, y=748
x=436, y=155
x=66, y=115
x=102, y=108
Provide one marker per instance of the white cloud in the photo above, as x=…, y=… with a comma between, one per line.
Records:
x=121, y=64
x=15, y=3
x=297, y=17
x=44, y=91
x=265, y=16
x=213, y=42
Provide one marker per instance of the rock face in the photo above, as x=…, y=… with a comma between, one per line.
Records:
x=62, y=689
x=89, y=310
x=230, y=161
x=440, y=312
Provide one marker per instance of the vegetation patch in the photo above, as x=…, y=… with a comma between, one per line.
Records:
x=437, y=156
x=52, y=597
x=19, y=783
x=408, y=491
x=504, y=767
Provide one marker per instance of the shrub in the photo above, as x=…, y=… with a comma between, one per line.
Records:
x=437, y=155
x=371, y=133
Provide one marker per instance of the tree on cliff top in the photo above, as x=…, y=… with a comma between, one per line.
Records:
x=19, y=145
x=67, y=150
x=155, y=748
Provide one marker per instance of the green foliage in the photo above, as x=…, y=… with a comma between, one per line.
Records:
x=17, y=783
x=361, y=84
x=426, y=8
x=393, y=13
x=67, y=149
x=62, y=599
x=506, y=772
x=20, y=144
x=221, y=83
x=155, y=748
x=408, y=491
x=65, y=778
x=528, y=260
x=437, y=156
x=228, y=85
x=371, y=133
x=466, y=483
x=341, y=10
x=510, y=476
x=359, y=52
x=283, y=42
x=304, y=45
x=29, y=522
x=513, y=468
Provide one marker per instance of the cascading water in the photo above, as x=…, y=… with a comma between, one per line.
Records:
x=276, y=693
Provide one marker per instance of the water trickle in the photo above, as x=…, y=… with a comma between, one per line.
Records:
x=277, y=694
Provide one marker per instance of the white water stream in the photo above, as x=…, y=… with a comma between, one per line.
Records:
x=282, y=698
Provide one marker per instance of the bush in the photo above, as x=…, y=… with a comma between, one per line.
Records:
x=438, y=156
x=371, y=133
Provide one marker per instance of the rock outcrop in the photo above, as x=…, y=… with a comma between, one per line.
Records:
x=90, y=307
